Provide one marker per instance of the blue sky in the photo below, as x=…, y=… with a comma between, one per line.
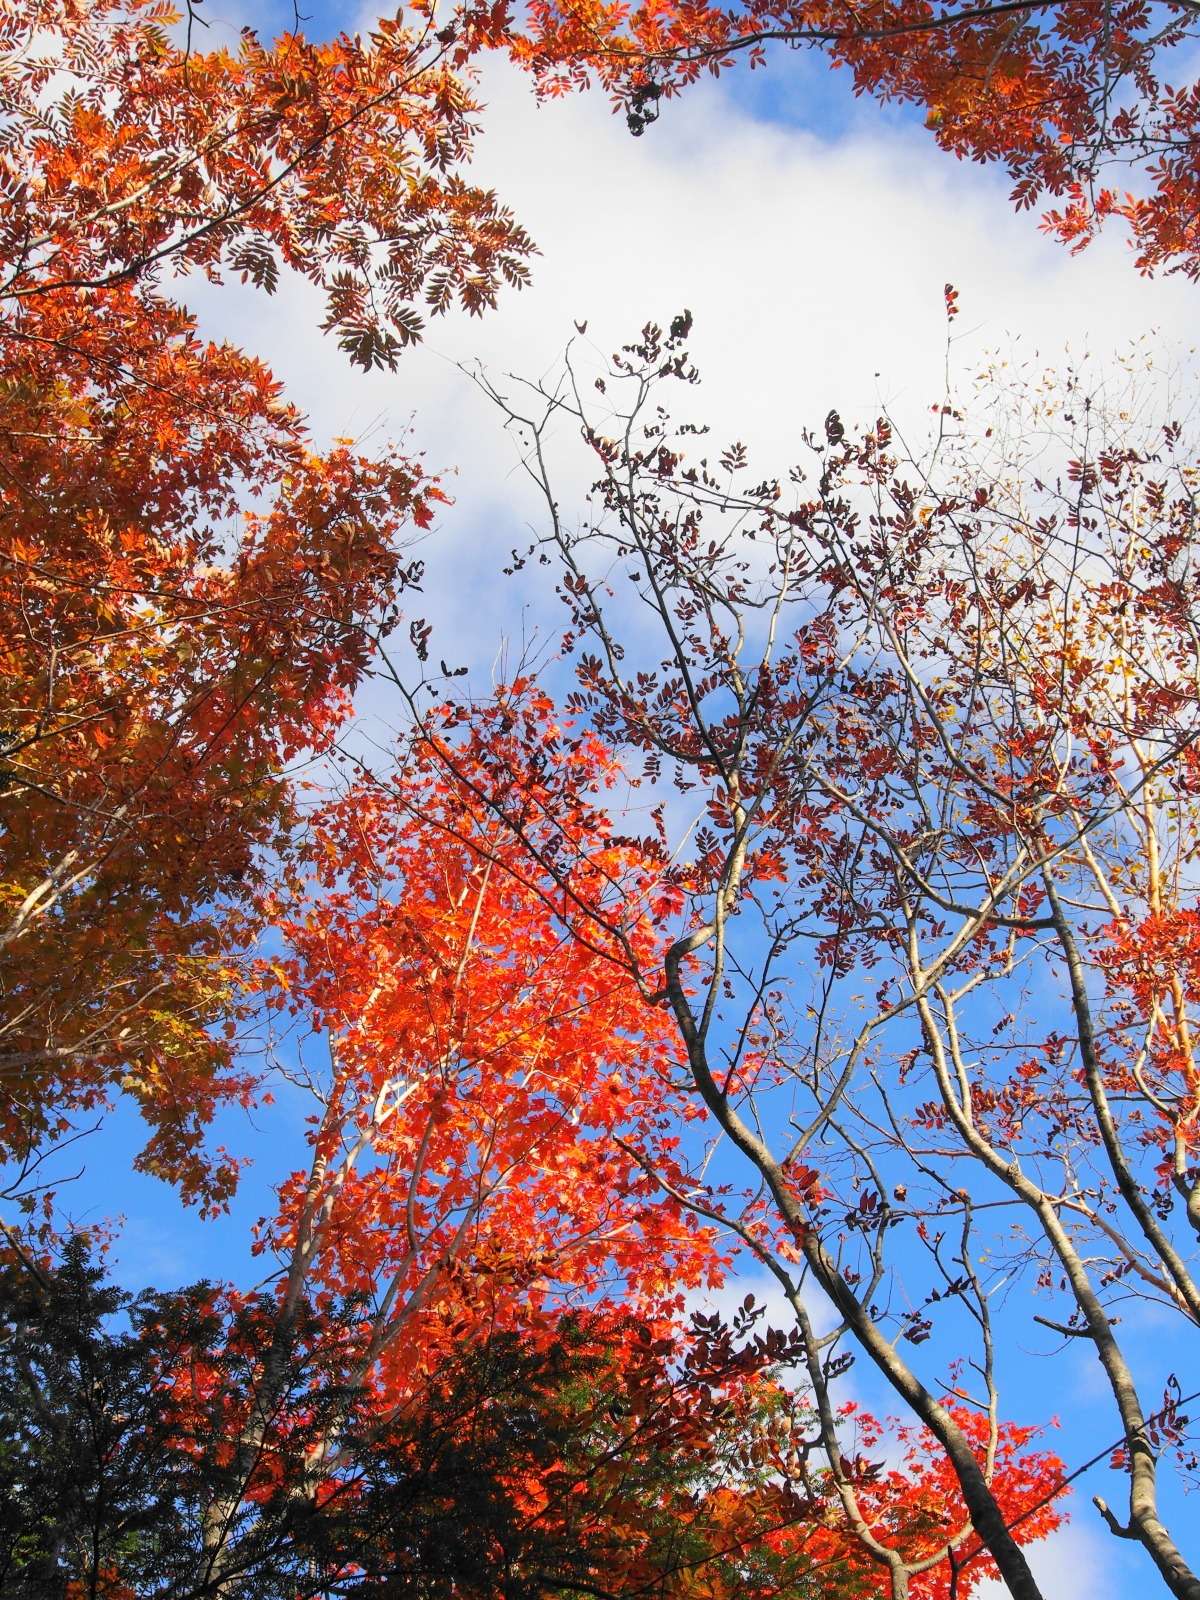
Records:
x=811, y=233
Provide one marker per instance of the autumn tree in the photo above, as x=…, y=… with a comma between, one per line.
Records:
x=935, y=722
x=468, y=1066
x=190, y=589
x=1090, y=108
x=156, y=685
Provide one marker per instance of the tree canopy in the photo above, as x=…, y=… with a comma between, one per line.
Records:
x=824, y=906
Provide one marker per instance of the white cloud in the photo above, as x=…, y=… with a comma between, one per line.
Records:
x=861, y=1386
x=728, y=1297
x=811, y=268
x=1076, y=1563
x=814, y=269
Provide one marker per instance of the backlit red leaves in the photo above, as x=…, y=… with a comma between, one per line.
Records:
x=497, y=1086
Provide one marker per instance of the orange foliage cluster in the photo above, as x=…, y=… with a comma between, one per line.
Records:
x=128, y=151
x=164, y=655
